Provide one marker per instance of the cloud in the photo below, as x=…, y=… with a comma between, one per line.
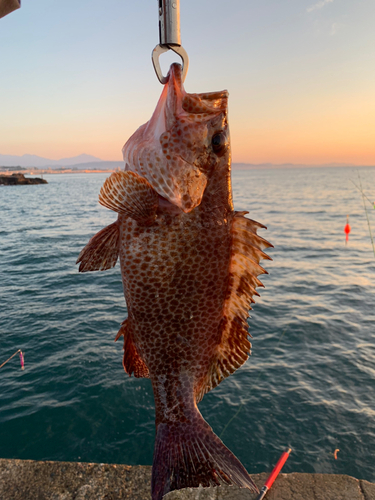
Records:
x=318, y=5
x=335, y=28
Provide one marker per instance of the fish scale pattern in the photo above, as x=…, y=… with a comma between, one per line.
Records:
x=176, y=276
x=201, y=284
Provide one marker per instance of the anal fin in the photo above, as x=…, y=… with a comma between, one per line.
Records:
x=132, y=361
x=129, y=194
x=101, y=252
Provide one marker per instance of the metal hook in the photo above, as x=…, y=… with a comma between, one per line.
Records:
x=169, y=22
x=160, y=49
x=169, y=37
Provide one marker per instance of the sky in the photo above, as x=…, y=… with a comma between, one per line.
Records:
x=76, y=77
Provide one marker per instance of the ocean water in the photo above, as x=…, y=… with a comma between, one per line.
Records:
x=309, y=384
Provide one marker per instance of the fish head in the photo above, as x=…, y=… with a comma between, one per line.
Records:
x=185, y=141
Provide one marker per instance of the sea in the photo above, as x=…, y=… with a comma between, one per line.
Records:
x=308, y=385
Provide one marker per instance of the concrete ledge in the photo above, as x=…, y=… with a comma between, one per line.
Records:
x=288, y=487
x=31, y=480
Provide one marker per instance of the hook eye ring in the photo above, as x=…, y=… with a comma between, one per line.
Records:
x=160, y=49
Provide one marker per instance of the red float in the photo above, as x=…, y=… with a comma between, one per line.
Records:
x=347, y=228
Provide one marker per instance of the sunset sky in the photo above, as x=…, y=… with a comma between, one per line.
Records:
x=76, y=77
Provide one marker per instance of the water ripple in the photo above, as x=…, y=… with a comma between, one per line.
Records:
x=309, y=384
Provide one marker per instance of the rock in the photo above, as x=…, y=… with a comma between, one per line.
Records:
x=20, y=179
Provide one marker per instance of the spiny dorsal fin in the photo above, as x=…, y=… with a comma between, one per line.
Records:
x=234, y=348
x=130, y=194
x=132, y=362
x=101, y=252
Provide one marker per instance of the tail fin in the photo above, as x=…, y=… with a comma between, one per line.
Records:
x=189, y=454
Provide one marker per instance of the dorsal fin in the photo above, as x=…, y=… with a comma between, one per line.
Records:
x=234, y=348
x=130, y=194
x=101, y=252
x=132, y=361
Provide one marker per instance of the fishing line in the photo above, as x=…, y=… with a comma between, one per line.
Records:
x=368, y=199
x=336, y=454
x=12, y=356
x=333, y=454
x=364, y=206
x=259, y=374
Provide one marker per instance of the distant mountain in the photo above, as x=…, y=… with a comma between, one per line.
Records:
x=38, y=161
x=76, y=160
x=89, y=162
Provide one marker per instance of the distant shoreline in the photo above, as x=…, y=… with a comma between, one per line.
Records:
x=9, y=170
x=41, y=171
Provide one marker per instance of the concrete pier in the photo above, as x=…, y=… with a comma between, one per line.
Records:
x=32, y=480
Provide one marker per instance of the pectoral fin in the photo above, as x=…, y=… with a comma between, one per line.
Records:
x=101, y=252
x=130, y=194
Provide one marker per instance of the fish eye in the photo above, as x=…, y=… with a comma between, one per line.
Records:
x=219, y=143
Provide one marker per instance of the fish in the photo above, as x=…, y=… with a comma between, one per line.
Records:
x=190, y=265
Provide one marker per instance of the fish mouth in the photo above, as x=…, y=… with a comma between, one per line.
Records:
x=167, y=150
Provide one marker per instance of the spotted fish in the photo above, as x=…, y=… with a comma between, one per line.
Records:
x=190, y=267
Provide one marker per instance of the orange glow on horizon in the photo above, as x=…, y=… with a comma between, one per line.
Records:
x=299, y=132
